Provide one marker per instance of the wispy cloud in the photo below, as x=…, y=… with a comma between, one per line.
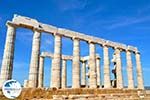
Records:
x=144, y=10
x=24, y=36
x=128, y=21
x=47, y=42
x=19, y=65
x=70, y=4
x=146, y=69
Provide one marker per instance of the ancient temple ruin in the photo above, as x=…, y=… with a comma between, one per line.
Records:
x=58, y=73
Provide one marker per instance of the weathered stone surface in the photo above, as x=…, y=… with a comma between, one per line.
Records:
x=41, y=72
x=56, y=63
x=7, y=62
x=106, y=68
x=118, y=68
x=139, y=71
x=34, y=24
x=92, y=65
x=83, y=77
x=34, y=62
x=98, y=71
x=76, y=64
x=82, y=94
x=64, y=74
x=129, y=70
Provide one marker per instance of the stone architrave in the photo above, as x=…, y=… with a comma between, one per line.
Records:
x=7, y=62
x=34, y=62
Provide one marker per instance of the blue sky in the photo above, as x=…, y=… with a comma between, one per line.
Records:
x=125, y=21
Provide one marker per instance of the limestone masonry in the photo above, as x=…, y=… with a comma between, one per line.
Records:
x=58, y=68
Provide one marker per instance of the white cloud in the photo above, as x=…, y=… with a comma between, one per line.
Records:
x=70, y=4
x=19, y=65
x=129, y=21
x=24, y=36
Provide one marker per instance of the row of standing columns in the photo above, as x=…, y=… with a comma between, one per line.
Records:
x=64, y=72
x=7, y=63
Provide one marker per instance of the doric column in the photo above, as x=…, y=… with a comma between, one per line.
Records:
x=92, y=65
x=56, y=63
x=118, y=68
x=129, y=70
x=106, y=67
x=98, y=71
x=140, y=83
x=34, y=62
x=7, y=62
x=83, y=77
x=41, y=72
x=76, y=64
x=64, y=76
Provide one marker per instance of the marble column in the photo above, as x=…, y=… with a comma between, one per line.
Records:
x=64, y=74
x=56, y=63
x=41, y=72
x=140, y=83
x=129, y=70
x=76, y=64
x=83, y=77
x=98, y=72
x=7, y=62
x=92, y=65
x=106, y=67
x=34, y=62
x=118, y=68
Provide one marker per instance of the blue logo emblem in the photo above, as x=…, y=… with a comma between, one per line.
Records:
x=11, y=89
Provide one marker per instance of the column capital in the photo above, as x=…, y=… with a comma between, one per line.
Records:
x=91, y=42
x=37, y=30
x=104, y=45
x=75, y=38
x=57, y=34
x=137, y=52
x=10, y=24
x=83, y=61
x=118, y=48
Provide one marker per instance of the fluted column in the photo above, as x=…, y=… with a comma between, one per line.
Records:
x=34, y=62
x=129, y=70
x=98, y=71
x=119, y=68
x=76, y=64
x=41, y=72
x=140, y=84
x=56, y=63
x=7, y=62
x=92, y=65
x=106, y=67
x=83, y=79
x=64, y=76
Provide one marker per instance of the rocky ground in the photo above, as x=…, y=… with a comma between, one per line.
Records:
x=81, y=94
